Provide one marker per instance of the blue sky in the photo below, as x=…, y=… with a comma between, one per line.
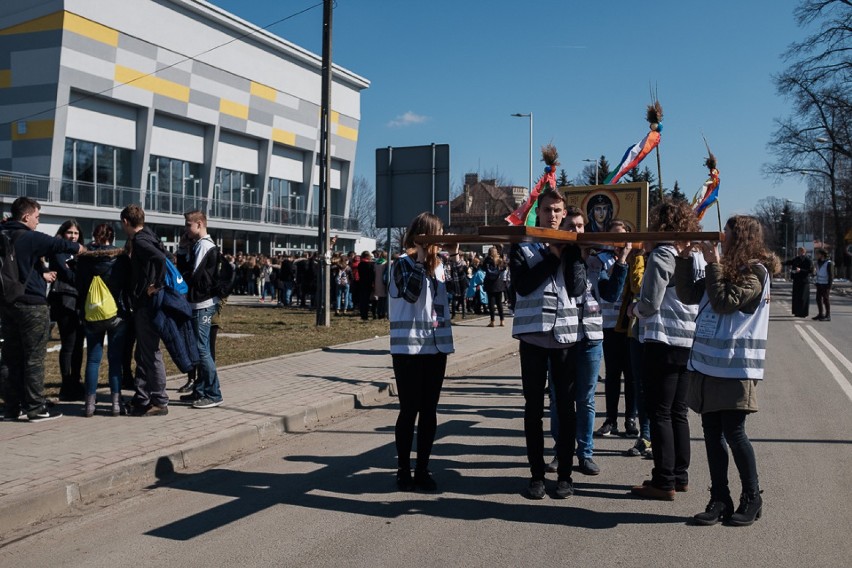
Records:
x=453, y=71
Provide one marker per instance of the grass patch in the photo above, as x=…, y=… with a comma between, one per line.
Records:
x=272, y=332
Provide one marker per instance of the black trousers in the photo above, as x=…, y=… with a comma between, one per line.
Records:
x=823, y=291
x=495, y=298
x=666, y=385
x=535, y=364
x=723, y=429
x=617, y=361
x=418, y=383
x=71, y=336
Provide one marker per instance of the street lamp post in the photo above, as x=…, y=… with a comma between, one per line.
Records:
x=595, y=162
x=530, y=116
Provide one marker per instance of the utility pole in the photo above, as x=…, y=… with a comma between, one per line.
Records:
x=324, y=253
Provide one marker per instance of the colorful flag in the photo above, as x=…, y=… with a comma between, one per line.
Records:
x=633, y=156
x=707, y=195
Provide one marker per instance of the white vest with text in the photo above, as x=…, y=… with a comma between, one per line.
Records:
x=426, y=321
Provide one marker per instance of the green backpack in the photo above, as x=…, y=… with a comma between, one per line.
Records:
x=100, y=305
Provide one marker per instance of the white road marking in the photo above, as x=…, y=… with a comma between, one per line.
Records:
x=835, y=372
x=832, y=349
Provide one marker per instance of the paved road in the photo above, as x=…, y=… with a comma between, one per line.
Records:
x=326, y=497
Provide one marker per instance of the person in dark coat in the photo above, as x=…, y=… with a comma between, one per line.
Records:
x=801, y=268
x=26, y=321
x=366, y=281
x=495, y=283
x=63, y=310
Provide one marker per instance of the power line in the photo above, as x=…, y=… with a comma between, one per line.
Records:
x=184, y=60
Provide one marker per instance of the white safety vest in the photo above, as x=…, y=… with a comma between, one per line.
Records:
x=674, y=323
x=591, y=317
x=822, y=272
x=548, y=307
x=424, y=323
x=731, y=346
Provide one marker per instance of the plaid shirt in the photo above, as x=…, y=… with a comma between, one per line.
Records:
x=408, y=277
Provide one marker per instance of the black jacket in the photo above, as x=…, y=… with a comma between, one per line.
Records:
x=201, y=281
x=148, y=265
x=30, y=246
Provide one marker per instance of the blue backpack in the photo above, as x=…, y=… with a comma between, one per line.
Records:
x=174, y=279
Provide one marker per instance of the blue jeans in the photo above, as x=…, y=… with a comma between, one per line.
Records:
x=341, y=297
x=636, y=352
x=207, y=382
x=287, y=292
x=589, y=355
x=95, y=350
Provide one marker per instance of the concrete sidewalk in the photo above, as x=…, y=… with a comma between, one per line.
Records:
x=50, y=467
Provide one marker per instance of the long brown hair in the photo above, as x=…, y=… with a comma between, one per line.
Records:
x=669, y=215
x=745, y=247
x=425, y=224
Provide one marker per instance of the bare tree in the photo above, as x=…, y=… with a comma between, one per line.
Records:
x=363, y=207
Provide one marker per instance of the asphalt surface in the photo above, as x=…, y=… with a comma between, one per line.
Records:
x=327, y=498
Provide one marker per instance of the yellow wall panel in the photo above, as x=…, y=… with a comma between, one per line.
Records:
x=43, y=24
x=233, y=109
x=283, y=137
x=262, y=91
x=90, y=29
x=36, y=130
x=346, y=132
x=5, y=78
x=151, y=83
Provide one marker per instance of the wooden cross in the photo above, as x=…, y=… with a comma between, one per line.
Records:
x=516, y=234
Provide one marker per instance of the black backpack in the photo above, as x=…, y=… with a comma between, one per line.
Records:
x=225, y=276
x=11, y=287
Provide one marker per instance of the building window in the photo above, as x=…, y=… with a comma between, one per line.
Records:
x=96, y=174
x=236, y=196
x=286, y=202
x=174, y=186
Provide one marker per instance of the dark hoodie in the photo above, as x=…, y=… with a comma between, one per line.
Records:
x=148, y=265
x=30, y=246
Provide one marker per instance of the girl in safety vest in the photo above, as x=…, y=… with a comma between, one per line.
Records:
x=420, y=339
x=728, y=355
x=666, y=327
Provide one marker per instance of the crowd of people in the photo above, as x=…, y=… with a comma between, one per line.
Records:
x=685, y=324
x=135, y=297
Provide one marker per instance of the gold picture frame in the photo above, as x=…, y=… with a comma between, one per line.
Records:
x=603, y=203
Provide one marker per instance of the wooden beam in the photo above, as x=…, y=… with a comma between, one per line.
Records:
x=515, y=234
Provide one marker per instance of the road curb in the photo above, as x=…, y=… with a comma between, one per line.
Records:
x=20, y=511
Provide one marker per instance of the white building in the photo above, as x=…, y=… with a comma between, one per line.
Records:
x=104, y=103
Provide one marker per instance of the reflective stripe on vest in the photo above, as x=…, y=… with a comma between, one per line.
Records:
x=590, y=315
x=731, y=346
x=412, y=326
x=822, y=272
x=548, y=307
x=609, y=310
x=674, y=322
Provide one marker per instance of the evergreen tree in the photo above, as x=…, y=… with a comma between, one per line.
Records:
x=563, y=180
x=677, y=194
x=603, y=168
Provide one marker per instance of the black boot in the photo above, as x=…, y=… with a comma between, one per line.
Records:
x=189, y=386
x=720, y=508
x=403, y=480
x=71, y=390
x=750, y=509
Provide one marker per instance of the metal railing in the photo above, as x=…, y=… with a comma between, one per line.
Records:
x=46, y=189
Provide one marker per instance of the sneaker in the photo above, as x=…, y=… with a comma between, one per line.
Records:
x=206, y=403
x=190, y=398
x=10, y=415
x=189, y=386
x=639, y=448
x=553, y=466
x=564, y=489
x=817, y=317
x=826, y=318
x=536, y=489
x=403, y=480
x=608, y=429
x=43, y=414
x=587, y=466
x=155, y=410
x=423, y=481
x=630, y=428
